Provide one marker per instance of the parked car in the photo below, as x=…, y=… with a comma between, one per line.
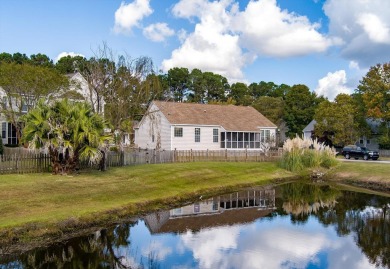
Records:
x=356, y=152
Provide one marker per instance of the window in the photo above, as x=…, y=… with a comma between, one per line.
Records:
x=361, y=142
x=24, y=107
x=178, y=132
x=3, y=129
x=215, y=135
x=368, y=141
x=223, y=139
x=197, y=134
x=196, y=208
x=12, y=138
x=5, y=102
x=265, y=135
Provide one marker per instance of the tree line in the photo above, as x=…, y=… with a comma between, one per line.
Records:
x=123, y=87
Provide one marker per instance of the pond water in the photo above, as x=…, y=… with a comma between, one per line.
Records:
x=291, y=226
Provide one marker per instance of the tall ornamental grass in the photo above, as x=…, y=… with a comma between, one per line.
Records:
x=299, y=154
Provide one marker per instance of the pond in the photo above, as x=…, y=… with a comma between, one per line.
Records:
x=295, y=225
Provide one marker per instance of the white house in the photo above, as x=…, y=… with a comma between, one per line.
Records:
x=78, y=90
x=79, y=85
x=185, y=126
x=308, y=131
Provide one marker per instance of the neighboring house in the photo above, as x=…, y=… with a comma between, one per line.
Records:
x=308, y=131
x=8, y=131
x=78, y=91
x=185, y=126
x=369, y=142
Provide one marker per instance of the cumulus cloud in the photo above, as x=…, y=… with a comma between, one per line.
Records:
x=268, y=30
x=333, y=84
x=129, y=15
x=211, y=47
x=64, y=54
x=158, y=32
x=226, y=39
x=376, y=30
x=364, y=26
x=354, y=65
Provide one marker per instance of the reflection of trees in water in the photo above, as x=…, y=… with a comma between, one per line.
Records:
x=365, y=215
x=99, y=250
x=302, y=199
x=368, y=217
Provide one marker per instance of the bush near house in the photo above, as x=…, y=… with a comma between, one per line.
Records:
x=299, y=154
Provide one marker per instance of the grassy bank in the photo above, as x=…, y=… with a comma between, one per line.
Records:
x=48, y=200
x=44, y=206
x=367, y=174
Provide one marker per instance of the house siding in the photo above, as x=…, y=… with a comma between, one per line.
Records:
x=153, y=124
x=187, y=142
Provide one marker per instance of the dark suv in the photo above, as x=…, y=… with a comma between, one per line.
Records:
x=356, y=152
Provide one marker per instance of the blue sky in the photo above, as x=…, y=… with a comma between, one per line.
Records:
x=327, y=45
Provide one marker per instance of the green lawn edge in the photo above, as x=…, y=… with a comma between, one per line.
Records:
x=38, y=208
x=49, y=206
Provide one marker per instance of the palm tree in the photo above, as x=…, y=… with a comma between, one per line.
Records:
x=69, y=131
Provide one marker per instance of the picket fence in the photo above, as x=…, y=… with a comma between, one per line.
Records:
x=24, y=161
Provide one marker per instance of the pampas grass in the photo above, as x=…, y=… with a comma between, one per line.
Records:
x=301, y=153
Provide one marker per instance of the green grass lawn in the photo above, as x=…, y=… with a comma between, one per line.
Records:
x=50, y=199
x=368, y=171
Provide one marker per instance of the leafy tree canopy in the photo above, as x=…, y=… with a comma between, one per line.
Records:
x=70, y=132
x=24, y=85
x=341, y=118
x=299, y=108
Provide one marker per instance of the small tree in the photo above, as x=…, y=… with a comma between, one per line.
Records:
x=70, y=132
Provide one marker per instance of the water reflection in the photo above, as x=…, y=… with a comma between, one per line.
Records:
x=235, y=208
x=293, y=226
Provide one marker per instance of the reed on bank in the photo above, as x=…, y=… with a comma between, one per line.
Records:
x=299, y=154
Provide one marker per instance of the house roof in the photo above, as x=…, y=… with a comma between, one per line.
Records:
x=203, y=221
x=310, y=126
x=230, y=117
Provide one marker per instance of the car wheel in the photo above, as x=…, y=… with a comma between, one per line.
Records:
x=347, y=156
x=356, y=158
x=375, y=159
x=365, y=157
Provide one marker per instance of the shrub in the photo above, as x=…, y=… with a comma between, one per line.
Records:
x=384, y=142
x=299, y=154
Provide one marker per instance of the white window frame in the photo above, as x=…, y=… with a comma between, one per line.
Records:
x=197, y=135
x=215, y=135
x=178, y=131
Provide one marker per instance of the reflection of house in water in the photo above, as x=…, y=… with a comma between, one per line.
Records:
x=241, y=207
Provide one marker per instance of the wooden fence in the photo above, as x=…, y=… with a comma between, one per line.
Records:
x=32, y=162
x=24, y=163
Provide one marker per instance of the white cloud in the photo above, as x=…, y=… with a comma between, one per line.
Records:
x=129, y=15
x=226, y=39
x=333, y=84
x=211, y=47
x=268, y=30
x=376, y=30
x=64, y=54
x=158, y=250
x=189, y=8
x=158, y=32
x=354, y=65
x=364, y=26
